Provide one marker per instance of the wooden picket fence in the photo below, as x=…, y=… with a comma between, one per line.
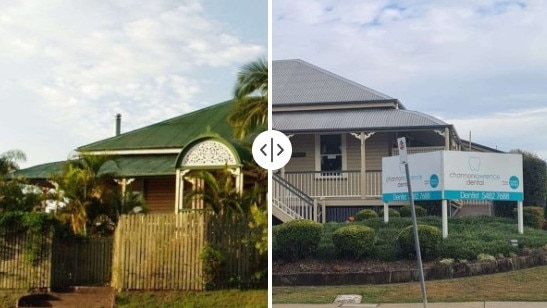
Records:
x=147, y=252
x=159, y=252
x=22, y=269
x=81, y=261
x=162, y=251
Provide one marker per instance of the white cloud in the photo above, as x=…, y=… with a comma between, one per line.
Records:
x=459, y=59
x=82, y=62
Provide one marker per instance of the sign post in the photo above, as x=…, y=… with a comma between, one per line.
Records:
x=403, y=160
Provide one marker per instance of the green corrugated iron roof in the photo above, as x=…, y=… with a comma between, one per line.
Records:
x=43, y=171
x=173, y=133
x=140, y=165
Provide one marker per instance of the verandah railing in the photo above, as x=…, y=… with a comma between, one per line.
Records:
x=317, y=184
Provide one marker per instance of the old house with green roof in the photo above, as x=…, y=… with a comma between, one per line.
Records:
x=154, y=160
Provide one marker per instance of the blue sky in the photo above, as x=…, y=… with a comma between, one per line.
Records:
x=68, y=67
x=480, y=65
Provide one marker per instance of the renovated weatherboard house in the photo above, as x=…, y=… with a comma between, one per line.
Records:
x=155, y=160
x=340, y=131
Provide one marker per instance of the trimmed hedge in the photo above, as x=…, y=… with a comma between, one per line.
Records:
x=297, y=239
x=406, y=211
x=430, y=242
x=392, y=213
x=354, y=241
x=365, y=214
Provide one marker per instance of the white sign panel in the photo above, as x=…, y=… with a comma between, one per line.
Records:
x=425, y=177
x=482, y=176
x=454, y=175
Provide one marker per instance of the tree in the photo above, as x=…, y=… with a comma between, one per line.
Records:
x=534, y=173
x=82, y=187
x=9, y=161
x=534, y=170
x=250, y=113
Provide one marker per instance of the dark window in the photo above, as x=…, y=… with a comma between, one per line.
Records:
x=331, y=154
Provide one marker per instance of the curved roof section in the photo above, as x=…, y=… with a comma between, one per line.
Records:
x=173, y=133
x=296, y=82
x=354, y=120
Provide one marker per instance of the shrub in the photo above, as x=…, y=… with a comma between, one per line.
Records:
x=297, y=239
x=365, y=214
x=392, y=213
x=430, y=241
x=532, y=216
x=353, y=241
x=405, y=211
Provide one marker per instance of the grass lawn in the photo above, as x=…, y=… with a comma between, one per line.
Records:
x=523, y=285
x=227, y=298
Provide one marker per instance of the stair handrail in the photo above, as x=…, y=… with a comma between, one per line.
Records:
x=309, y=212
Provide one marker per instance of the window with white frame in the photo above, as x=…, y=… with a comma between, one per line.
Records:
x=330, y=151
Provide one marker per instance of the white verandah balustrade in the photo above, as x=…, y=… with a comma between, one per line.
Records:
x=339, y=184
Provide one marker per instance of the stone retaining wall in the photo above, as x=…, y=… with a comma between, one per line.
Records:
x=439, y=271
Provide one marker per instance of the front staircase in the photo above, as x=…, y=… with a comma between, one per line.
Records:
x=289, y=202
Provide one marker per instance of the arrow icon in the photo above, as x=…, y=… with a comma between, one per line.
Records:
x=280, y=149
x=262, y=149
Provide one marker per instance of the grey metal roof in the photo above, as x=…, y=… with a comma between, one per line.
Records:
x=296, y=82
x=354, y=120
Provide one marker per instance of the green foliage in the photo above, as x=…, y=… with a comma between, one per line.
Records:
x=259, y=229
x=37, y=225
x=534, y=172
x=391, y=212
x=213, y=266
x=430, y=241
x=406, y=211
x=365, y=214
x=12, y=197
x=468, y=237
x=532, y=216
x=297, y=239
x=353, y=241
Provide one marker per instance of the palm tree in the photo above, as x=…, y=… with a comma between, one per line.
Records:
x=82, y=186
x=250, y=113
x=9, y=161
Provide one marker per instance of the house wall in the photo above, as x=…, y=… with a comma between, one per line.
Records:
x=376, y=147
x=159, y=194
x=303, y=147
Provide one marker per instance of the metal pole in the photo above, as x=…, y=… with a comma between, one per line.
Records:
x=416, y=239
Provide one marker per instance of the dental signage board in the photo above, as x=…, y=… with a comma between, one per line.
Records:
x=455, y=175
x=425, y=177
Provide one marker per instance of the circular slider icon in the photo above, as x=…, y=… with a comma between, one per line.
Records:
x=272, y=150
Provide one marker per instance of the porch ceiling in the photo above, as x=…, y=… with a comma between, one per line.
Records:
x=353, y=120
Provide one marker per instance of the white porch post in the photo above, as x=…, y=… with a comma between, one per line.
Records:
x=239, y=179
x=179, y=187
x=363, y=177
x=520, y=217
x=445, y=217
x=447, y=138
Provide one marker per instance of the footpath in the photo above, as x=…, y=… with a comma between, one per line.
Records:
x=421, y=305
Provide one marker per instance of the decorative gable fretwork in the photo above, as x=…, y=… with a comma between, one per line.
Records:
x=209, y=153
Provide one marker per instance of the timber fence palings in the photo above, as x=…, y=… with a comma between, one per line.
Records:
x=159, y=252
x=24, y=268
